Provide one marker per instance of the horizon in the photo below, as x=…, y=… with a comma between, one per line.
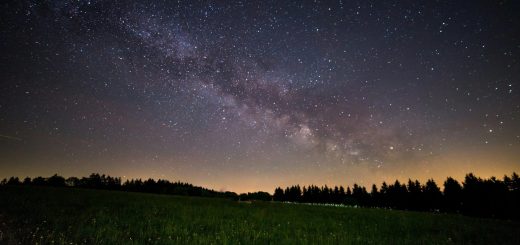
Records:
x=249, y=96
x=439, y=182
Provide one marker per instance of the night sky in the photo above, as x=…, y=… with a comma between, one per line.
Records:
x=250, y=95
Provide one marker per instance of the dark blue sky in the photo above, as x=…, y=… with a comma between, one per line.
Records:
x=248, y=95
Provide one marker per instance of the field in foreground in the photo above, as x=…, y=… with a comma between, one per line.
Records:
x=61, y=215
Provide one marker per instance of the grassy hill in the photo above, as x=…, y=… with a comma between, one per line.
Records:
x=70, y=216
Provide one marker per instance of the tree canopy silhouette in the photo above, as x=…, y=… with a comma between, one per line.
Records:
x=478, y=197
x=475, y=196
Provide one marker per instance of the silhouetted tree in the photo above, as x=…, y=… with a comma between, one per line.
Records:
x=383, y=195
x=56, y=181
x=335, y=195
x=513, y=196
x=293, y=194
x=415, y=195
x=256, y=196
x=471, y=188
x=349, y=192
x=39, y=181
x=14, y=181
x=27, y=181
x=432, y=195
x=374, y=196
x=359, y=196
x=342, y=194
x=452, y=195
x=514, y=185
x=278, y=195
x=396, y=194
x=94, y=181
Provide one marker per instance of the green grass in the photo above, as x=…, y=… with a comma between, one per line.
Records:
x=64, y=216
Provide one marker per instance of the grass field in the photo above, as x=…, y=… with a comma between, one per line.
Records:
x=71, y=216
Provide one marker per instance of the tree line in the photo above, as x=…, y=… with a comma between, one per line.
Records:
x=475, y=196
x=107, y=182
x=161, y=186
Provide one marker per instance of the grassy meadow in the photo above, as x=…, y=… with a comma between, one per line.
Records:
x=45, y=215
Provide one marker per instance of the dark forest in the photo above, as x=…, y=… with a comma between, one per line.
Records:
x=475, y=196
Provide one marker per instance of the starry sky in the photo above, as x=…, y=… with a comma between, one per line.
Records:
x=250, y=95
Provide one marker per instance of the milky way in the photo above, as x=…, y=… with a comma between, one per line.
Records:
x=255, y=94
